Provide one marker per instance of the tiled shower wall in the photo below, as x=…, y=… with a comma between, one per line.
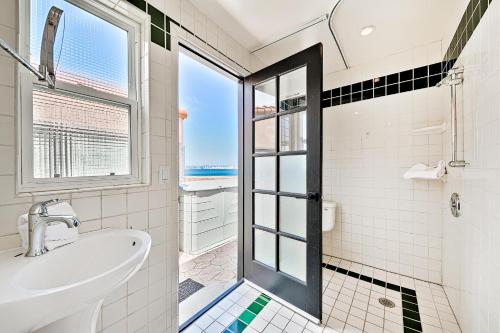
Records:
x=383, y=220
x=148, y=303
x=471, y=264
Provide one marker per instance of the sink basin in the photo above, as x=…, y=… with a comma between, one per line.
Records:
x=62, y=290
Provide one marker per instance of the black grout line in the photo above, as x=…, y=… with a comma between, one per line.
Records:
x=409, y=303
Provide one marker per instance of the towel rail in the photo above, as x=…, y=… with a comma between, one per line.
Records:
x=453, y=79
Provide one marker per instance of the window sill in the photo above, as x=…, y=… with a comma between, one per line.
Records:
x=81, y=190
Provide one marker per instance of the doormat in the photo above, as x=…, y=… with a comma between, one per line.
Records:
x=187, y=288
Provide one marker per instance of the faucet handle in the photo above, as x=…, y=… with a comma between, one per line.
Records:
x=40, y=208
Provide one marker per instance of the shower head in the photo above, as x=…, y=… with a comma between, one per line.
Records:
x=454, y=77
x=48, y=40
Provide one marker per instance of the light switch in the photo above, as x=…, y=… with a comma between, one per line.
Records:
x=163, y=174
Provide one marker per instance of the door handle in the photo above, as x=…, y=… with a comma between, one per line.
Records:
x=313, y=196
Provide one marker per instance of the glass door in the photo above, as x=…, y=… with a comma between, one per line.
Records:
x=282, y=179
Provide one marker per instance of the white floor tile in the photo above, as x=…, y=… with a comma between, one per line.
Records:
x=280, y=321
x=204, y=321
x=215, y=327
x=350, y=305
x=335, y=323
x=259, y=324
x=298, y=319
x=226, y=319
x=293, y=327
x=272, y=329
x=286, y=312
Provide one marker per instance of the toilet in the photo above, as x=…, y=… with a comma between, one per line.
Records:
x=329, y=215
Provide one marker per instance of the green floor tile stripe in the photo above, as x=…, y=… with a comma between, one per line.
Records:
x=249, y=314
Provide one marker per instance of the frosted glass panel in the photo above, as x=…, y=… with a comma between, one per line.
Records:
x=293, y=132
x=265, y=247
x=293, y=216
x=293, y=258
x=265, y=136
x=265, y=98
x=265, y=173
x=293, y=88
x=74, y=136
x=94, y=52
x=265, y=210
x=293, y=174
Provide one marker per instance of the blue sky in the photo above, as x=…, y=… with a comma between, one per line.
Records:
x=92, y=48
x=211, y=129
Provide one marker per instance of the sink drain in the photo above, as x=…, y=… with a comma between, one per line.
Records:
x=386, y=302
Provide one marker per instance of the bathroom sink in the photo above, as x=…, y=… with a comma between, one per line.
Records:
x=62, y=290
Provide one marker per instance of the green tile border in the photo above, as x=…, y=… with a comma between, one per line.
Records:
x=470, y=20
x=157, y=17
x=161, y=21
x=248, y=315
x=157, y=36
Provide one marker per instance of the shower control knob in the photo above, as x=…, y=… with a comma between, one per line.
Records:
x=455, y=205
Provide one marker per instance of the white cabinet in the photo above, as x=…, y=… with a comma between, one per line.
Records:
x=208, y=218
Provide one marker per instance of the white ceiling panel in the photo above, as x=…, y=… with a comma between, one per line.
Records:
x=400, y=25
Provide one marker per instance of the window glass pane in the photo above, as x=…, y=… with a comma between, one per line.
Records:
x=293, y=174
x=265, y=173
x=265, y=247
x=293, y=88
x=265, y=136
x=293, y=132
x=293, y=257
x=75, y=136
x=265, y=210
x=265, y=98
x=293, y=216
x=94, y=52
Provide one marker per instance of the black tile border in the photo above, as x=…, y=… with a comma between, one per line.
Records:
x=416, y=78
x=395, y=83
x=411, y=314
x=160, y=25
x=409, y=80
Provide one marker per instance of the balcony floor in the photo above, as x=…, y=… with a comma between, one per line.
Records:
x=215, y=269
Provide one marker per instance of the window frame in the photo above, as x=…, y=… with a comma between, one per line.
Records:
x=136, y=23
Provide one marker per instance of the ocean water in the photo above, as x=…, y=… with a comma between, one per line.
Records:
x=210, y=172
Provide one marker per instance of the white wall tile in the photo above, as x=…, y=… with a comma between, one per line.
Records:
x=470, y=243
x=138, y=220
x=137, y=300
x=7, y=130
x=144, y=209
x=382, y=219
x=7, y=162
x=114, y=205
x=137, y=202
x=114, y=312
x=115, y=222
x=87, y=208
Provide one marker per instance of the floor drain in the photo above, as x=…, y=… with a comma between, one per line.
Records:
x=386, y=302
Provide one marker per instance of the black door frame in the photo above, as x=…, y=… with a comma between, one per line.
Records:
x=307, y=297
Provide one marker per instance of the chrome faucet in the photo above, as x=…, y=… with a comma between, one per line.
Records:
x=38, y=218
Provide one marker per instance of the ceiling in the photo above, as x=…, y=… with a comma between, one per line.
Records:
x=400, y=25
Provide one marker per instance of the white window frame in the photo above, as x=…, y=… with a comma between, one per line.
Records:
x=137, y=24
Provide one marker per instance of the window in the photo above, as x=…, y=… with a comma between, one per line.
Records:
x=87, y=132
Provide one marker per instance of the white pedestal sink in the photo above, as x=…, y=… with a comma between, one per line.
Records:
x=62, y=290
